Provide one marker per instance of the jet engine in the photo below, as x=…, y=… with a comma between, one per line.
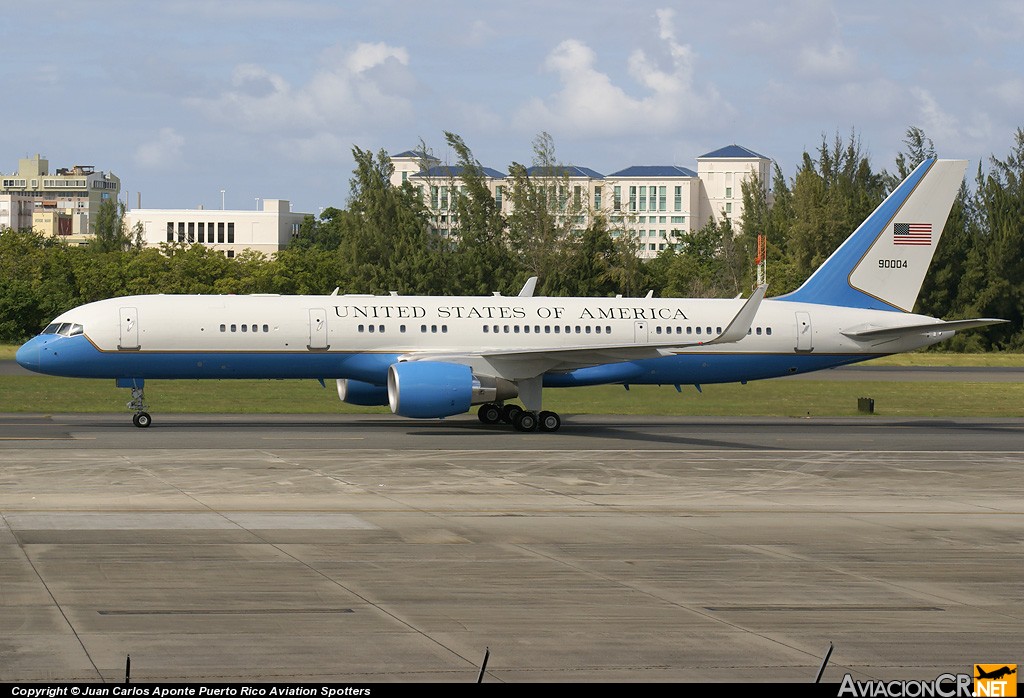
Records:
x=359, y=393
x=431, y=389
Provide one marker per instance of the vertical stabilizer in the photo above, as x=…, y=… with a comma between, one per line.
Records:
x=883, y=263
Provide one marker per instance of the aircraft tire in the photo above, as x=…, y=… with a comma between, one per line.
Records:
x=549, y=421
x=525, y=421
x=142, y=420
x=509, y=412
x=489, y=413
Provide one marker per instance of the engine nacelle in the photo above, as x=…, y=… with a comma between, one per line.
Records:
x=359, y=393
x=431, y=389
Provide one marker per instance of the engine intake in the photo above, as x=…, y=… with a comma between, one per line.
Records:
x=359, y=393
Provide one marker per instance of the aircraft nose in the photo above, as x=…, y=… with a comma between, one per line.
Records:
x=27, y=355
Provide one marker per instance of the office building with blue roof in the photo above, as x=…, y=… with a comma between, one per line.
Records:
x=655, y=204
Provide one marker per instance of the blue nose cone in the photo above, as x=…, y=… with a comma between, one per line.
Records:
x=27, y=355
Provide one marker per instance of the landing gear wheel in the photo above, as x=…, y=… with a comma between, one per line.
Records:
x=509, y=412
x=525, y=421
x=549, y=421
x=142, y=420
x=489, y=413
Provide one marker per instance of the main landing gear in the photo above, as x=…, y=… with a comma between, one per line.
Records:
x=520, y=419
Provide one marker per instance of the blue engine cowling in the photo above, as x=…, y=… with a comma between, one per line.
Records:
x=429, y=389
x=359, y=393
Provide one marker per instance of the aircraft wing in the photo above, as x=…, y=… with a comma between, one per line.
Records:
x=870, y=332
x=517, y=363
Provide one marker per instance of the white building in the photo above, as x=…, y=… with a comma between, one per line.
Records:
x=62, y=203
x=657, y=204
x=267, y=230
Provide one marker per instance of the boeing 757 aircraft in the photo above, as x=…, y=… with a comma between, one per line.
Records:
x=430, y=357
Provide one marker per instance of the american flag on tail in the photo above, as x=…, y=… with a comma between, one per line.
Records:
x=912, y=234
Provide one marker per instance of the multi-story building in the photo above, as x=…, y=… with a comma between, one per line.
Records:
x=655, y=204
x=63, y=203
x=231, y=231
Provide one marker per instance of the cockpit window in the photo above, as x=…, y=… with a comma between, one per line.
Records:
x=64, y=329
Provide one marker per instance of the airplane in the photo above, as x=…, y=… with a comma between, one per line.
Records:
x=437, y=356
x=996, y=673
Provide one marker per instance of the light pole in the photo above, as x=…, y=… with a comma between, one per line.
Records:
x=221, y=199
x=257, y=203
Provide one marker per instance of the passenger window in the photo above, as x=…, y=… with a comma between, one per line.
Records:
x=370, y=328
x=718, y=330
x=506, y=329
x=444, y=328
x=759, y=331
x=768, y=330
x=587, y=328
x=558, y=329
x=598, y=329
x=223, y=328
x=657, y=330
x=243, y=328
x=423, y=328
x=433, y=328
x=515, y=329
x=698, y=330
x=577, y=329
x=689, y=330
x=401, y=328
x=234, y=328
x=526, y=329
x=485, y=328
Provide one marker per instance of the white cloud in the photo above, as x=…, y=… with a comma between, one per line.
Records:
x=163, y=151
x=367, y=85
x=590, y=103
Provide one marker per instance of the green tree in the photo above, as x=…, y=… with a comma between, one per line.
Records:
x=482, y=260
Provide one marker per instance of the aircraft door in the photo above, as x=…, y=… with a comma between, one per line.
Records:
x=129, y=339
x=640, y=332
x=317, y=329
x=804, y=333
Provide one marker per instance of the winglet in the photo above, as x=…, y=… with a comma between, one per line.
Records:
x=740, y=324
x=528, y=288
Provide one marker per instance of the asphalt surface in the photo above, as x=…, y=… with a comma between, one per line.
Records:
x=339, y=548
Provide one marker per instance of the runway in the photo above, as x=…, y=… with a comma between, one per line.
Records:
x=338, y=548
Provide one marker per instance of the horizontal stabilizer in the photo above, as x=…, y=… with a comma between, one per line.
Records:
x=867, y=332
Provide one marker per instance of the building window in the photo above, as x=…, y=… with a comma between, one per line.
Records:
x=433, y=198
x=728, y=192
x=191, y=232
x=231, y=233
x=662, y=198
x=499, y=191
x=728, y=207
x=201, y=232
x=231, y=254
x=181, y=232
x=220, y=232
x=617, y=198
x=643, y=198
x=170, y=232
x=632, y=198
x=597, y=198
x=679, y=199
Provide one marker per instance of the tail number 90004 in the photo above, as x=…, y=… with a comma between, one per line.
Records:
x=892, y=264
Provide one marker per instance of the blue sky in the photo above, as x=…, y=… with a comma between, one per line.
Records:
x=265, y=98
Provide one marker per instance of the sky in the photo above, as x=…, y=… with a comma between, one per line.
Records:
x=266, y=98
